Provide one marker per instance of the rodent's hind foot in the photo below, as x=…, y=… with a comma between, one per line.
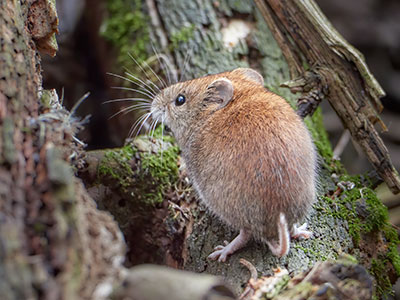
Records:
x=222, y=252
x=300, y=232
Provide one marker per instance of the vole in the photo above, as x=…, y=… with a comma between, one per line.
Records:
x=250, y=158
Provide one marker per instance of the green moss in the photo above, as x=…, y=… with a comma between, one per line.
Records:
x=144, y=170
x=278, y=287
x=314, y=252
x=182, y=36
x=319, y=134
x=347, y=259
x=46, y=98
x=365, y=214
x=321, y=140
x=127, y=29
x=303, y=290
x=393, y=254
x=116, y=164
x=379, y=271
x=361, y=208
x=160, y=170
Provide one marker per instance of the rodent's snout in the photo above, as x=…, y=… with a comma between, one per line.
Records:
x=157, y=111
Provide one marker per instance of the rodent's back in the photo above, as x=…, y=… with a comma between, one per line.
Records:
x=256, y=156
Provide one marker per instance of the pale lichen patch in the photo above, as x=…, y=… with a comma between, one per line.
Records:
x=236, y=31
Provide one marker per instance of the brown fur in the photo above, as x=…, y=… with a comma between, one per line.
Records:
x=249, y=160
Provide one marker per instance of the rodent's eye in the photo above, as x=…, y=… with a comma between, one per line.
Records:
x=180, y=100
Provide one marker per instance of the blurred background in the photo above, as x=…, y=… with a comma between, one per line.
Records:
x=85, y=57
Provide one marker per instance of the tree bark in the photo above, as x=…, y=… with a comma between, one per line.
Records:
x=347, y=218
x=54, y=243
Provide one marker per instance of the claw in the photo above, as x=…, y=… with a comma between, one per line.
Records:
x=301, y=232
x=220, y=254
x=219, y=247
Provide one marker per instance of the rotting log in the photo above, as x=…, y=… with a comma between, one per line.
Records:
x=347, y=218
x=323, y=65
x=56, y=244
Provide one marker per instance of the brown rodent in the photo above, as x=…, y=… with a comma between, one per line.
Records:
x=248, y=155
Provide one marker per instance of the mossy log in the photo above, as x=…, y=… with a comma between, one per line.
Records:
x=56, y=244
x=347, y=218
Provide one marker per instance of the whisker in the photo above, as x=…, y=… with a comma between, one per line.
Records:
x=162, y=82
x=77, y=104
x=149, y=93
x=62, y=97
x=185, y=62
x=140, y=128
x=168, y=65
x=141, y=106
x=158, y=77
x=141, y=100
x=137, y=122
x=165, y=70
x=133, y=90
x=148, y=133
x=153, y=128
x=133, y=109
x=132, y=129
x=162, y=137
x=141, y=81
x=129, y=109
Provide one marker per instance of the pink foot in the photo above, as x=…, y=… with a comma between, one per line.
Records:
x=301, y=232
x=222, y=252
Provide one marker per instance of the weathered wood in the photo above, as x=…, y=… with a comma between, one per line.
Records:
x=324, y=65
x=56, y=244
x=224, y=35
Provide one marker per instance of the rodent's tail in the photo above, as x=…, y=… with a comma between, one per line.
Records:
x=282, y=247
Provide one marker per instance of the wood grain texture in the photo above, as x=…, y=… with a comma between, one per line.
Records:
x=325, y=66
x=209, y=55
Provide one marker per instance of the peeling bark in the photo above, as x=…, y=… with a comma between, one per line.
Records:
x=325, y=66
x=342, y=205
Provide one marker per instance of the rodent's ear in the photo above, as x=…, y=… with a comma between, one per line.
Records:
x=251, y=75
x=220, y=91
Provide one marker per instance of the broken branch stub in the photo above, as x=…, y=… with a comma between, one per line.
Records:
x=325, y=65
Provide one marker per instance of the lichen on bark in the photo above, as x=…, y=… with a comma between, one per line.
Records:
x=125, y=27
